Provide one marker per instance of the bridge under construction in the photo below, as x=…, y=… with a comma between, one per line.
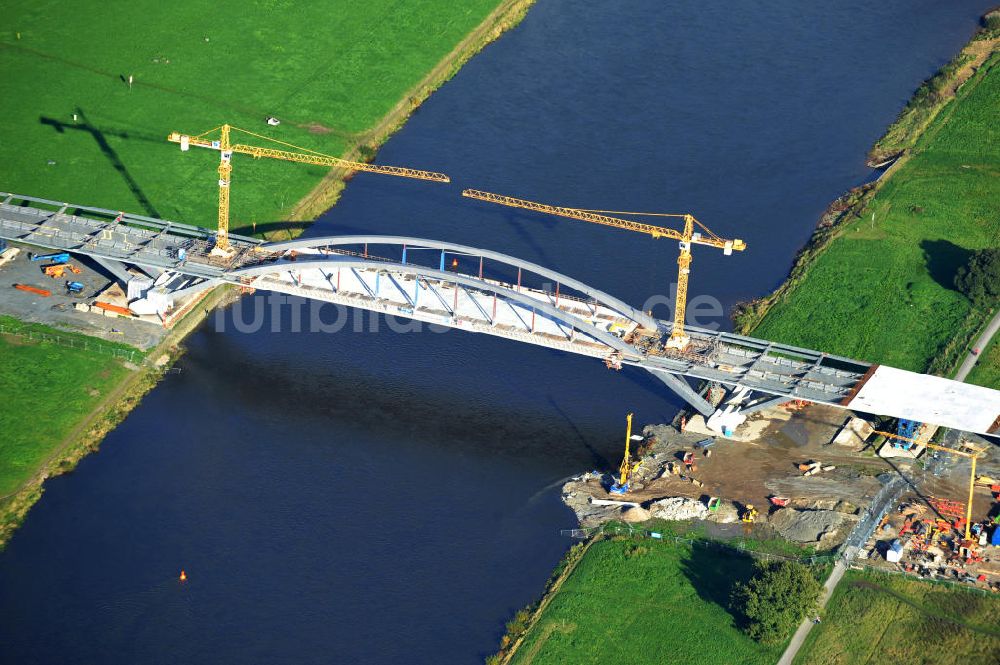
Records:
x=448, y=284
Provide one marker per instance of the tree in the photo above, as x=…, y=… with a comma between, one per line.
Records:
x=979, y=279
x=776, y=599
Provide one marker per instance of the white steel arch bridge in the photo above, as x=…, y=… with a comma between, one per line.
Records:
x=438, y=282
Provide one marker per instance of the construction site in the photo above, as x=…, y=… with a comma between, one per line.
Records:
x=76, y=293
x=810, y=475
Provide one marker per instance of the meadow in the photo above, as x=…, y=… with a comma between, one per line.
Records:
x=646, y=601
x=880, y=618
x=47, y=389
x=882, y=291
x=74, y=129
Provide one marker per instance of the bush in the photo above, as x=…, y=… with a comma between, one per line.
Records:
x=776, y=599
x=979, y=279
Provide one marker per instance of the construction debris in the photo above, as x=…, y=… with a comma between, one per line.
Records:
x=679, y=508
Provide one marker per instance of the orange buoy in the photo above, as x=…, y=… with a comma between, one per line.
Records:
x=183, y=577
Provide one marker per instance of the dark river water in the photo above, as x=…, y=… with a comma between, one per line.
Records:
x=383, y=497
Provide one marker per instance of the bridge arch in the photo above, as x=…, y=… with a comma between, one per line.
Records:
x=305, y=263
x=605, y=299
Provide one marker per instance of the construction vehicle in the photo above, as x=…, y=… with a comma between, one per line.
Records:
x=973, y=456
x=58, y=270
x=678, y=339
x=304, y=156
x=749, y=513
x=74, y=288
x=58, y=257
x=627, y=468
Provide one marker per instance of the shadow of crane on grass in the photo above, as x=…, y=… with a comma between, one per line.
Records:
x=100, y=136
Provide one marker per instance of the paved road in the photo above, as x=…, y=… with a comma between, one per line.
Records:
x=875, y=512
x=839, y=569
x=981, y=344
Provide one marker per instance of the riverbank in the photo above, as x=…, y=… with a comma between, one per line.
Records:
x=602, y=607
x=128, y=384
x=123, y=387
x=96, y=132
x=922, y=219
x=325, y=194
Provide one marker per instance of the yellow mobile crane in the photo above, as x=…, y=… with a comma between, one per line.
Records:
x=687, y=237
x=627, y=468
x=975, y=455
x=305, y=156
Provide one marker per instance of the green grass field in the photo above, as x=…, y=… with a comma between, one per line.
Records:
x=987, y=371
x=876, y=618
x=47, y=389
x=883, y=291
x=646, y=602
x=337, y=67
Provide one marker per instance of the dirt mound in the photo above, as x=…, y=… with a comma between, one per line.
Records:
x=635, y=514
x=826, y=528
x=725, y=514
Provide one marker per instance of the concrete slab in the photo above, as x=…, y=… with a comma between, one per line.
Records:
x=929, y=399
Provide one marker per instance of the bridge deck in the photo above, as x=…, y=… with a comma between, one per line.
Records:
x=585, y=326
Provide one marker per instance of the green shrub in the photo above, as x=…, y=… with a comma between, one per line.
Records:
x=979, y=279
x=776, y=599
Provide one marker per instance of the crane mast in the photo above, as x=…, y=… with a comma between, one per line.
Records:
x=227, y=149
x=627, y=468
x=225, y=171
x=973, y=456
x=678, y=339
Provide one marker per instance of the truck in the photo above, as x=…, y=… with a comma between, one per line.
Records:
x=58, y=257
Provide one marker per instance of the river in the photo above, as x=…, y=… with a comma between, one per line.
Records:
x=386, y=497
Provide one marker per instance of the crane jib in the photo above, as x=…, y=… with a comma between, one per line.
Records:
x=306, y=158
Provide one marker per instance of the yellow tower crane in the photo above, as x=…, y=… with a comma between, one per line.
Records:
x=678, y=339
x=305, y=156
x=974, y=455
